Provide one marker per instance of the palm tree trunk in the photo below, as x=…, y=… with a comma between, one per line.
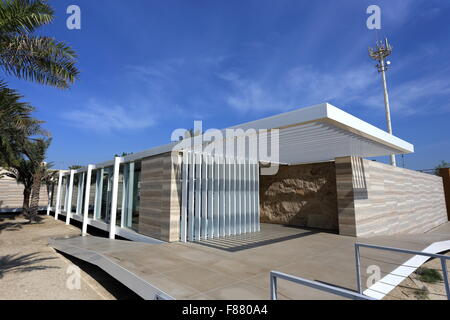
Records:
x=26, y=201
x=35, y=193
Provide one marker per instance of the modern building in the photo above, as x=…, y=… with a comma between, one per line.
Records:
x=312, y=174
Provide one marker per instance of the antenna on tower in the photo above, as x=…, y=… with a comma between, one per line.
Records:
x=379, y=53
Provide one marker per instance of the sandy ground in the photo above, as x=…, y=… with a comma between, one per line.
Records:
x=407, y=290
x=30, y=269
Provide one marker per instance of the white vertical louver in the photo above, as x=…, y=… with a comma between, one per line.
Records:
x=220, y=196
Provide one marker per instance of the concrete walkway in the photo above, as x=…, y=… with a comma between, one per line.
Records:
x=31, y=270
x=238, y=267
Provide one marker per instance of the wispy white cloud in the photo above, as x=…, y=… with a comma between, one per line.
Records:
x=302, y=86
x=299, y=86
x=106, y=118
x=417, y=96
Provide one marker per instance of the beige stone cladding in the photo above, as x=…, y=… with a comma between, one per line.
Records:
x=159, y=212
x=379, y=199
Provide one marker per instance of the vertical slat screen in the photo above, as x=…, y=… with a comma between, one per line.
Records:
x=204, y=188
x=191, y=198
x=216, y=198
x=184, y=197
x=210, y=196
x=220, y=196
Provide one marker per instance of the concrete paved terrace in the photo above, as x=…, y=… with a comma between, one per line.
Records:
x=238, y=267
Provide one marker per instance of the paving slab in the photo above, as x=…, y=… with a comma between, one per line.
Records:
x=238, y=267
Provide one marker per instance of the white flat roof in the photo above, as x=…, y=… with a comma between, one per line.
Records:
x=323, y=132
x=314, y=134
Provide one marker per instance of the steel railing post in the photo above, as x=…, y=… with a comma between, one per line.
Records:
x=445, y=272
x=358, y=269
x=273, y=287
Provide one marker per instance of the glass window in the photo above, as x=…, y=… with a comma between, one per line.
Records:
x=63, y=200
x=106, y=193
x=53, y=189
x=78, y=193
x=131, y=186
x=92, y=194
x=73, y=200
x=123, y=169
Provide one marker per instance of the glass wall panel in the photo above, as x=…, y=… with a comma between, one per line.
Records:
x=82, y=193
x=78, y=193
x=106, y=195
x=73, y=201
x=53, y=189
x=63, y=200
x=123, y=169
x=131, y=199
x=92, y=194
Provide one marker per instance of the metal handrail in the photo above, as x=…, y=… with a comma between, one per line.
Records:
x=312, y=284
x=415, y=252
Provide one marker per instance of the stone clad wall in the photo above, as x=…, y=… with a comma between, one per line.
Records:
x=159, y=212
x=379, y=199
x=11, y=194
x=300, y=195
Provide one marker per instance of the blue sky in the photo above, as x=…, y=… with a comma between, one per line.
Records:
x=149, y=67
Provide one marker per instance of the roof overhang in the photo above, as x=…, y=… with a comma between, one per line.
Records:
x=314, y=134
x=324, y=132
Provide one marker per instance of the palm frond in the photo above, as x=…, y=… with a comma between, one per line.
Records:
x=39, y=59
x=24, y=16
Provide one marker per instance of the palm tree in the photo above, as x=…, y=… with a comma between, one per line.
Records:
x=21, y=170
x=16, y=124
x=441, y=165
x=32, y=57
x=30, y=170
x=36, y=155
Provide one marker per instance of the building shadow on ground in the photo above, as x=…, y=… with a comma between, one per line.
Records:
x=113, y=286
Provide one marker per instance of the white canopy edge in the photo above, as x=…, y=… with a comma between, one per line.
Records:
x=324, y=112
x=328, y=113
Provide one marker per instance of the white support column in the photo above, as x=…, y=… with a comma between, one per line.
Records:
x=49, y=195
x=115, y=189
x=216, y=196
x=227, y=196
x=191, y=191
x=204, y=197
x=198, y=190
x=184, y=197
x=233, y=196
x=239, y=196
x=222, y=198
x=248, y=196
x=244, y=197
x=258, y=213
x=254, y=211
x=86, y=199
x=69, y=198
x=210, y=195
x=58, y=195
